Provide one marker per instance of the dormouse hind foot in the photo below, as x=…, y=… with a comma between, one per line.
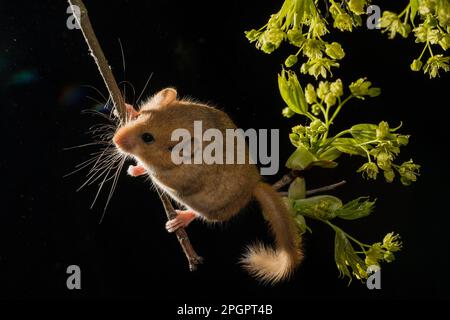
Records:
x=136, y=171
x=182, y=220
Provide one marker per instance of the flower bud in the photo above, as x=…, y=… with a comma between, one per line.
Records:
x=272, y=39
x=322, y=129
x=389, y=175
x=294, y=138
x=403, y=140
x=382, y=130
x=416, y=65
x=291, y=60
x=384, y=160
x=388, y=256
x=330, y=100
x=315, y=109
x=323, y=89
x=252, y=35
x=404, y=30
x=315, y=125
x=268, y=47
x=336, y=88
x=310, y=94
x=299, y=129
x=374, y=92
x=374, y=254
x=287, y=112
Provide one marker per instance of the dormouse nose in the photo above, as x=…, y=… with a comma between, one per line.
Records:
x=123, y=140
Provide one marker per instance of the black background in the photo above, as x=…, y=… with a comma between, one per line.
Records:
x=200, y=48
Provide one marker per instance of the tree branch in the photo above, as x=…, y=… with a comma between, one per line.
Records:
x=119, y=103
x=181, y=234
x=318, y=190
x=286, y=179
x=326, y=188
x=100, y=60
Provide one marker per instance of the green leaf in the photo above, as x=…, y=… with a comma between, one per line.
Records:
x=414, y=6
x=349, y=146
x=341, y=243
x=346, y=257
x=355, y=209
x=300, y=159
x=319, y=207
x=299, y=95
x=364, y=132
x=328, y=164
x=331, y=154
x=357, y=19
x=301, y=224
x=291, y=92
x=297, y=189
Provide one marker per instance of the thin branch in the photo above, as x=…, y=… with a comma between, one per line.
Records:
x=119, y=103
x=181, y=234
x=99, y=58
x=286, y=179
x=326, y=188
x=318, y=190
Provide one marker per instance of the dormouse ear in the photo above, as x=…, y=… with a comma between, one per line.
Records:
x=165, y=96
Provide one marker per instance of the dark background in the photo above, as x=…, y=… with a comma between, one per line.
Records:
x=200, y=48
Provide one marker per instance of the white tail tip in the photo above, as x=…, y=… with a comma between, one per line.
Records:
x=267, y=264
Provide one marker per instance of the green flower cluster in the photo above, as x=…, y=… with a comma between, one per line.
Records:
x=351, y=262
x=433, y=29
x=346, y=15
x=300, y=23
x=383, y=251
x=325, y=208
x=378, y=144
x=382, y=144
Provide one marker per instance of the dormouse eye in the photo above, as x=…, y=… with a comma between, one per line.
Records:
x=147, y=138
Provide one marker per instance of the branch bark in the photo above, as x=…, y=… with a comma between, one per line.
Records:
x=319, y=190
x=119, y=103
x=285, y=180
x=326, y=188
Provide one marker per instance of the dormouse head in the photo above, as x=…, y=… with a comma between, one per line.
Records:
x=147, y=136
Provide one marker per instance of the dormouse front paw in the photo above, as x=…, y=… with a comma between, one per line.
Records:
x=136, y=171
x=182, y=220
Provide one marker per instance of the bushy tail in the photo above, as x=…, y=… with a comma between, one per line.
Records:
x=267, y=264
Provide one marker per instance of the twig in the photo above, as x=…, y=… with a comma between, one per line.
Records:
x=319, y=190
x=119, y=103
x=285, y=180
x=181, y=234
x=326, y=188
x=99, y=58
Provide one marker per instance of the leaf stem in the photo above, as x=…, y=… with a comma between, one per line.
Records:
x=423, y=51
x=339, y=108
x=336, y=228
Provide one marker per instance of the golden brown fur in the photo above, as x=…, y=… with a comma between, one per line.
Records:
x=216, y=191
